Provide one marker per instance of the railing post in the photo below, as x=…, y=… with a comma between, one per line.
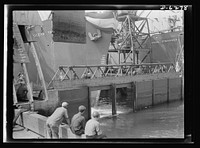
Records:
x=113, y=97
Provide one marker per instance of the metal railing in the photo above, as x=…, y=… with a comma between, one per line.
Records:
x=102, y=71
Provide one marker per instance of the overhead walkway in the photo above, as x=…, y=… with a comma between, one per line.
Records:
x=103, y=76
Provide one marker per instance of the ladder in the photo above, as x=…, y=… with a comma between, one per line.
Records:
x=17, y=36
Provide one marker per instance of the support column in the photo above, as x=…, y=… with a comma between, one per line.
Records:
x=40, y=73
x=182, y=88
x=30, y=93
x=168, y=93
x=130, y=32
x=89, y=103
x=119, y=56
x=134, y=95
x=113, y=97
x=14, y=95
x=153, y=94
x=151, y=51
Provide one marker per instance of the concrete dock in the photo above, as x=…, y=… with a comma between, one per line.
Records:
x=162, y=121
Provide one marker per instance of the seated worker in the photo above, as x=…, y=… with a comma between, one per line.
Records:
x=78, y=122
x=54, y=121
x=92, y=127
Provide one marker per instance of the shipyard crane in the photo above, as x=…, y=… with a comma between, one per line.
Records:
x=130, y=38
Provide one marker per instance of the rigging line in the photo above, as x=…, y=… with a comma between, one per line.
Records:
x=148, y=13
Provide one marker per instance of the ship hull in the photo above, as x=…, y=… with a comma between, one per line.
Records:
x=53, y=54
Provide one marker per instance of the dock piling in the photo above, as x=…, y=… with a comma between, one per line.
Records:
x=113, y=97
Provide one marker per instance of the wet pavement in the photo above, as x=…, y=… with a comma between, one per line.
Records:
x=161, y=121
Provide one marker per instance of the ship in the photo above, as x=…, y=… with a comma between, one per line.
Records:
x=59, y=38
x=77, y=38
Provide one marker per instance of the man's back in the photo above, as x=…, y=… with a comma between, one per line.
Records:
x=78, y=122
x=57, y=117
x=92, y=128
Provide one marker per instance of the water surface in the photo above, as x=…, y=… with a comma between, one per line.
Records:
x=161, y=121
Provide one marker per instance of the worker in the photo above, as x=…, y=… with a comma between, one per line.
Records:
x=21, y=88
x=54, y=121
x=22, y=91
x=92, y=128
x=78, y=122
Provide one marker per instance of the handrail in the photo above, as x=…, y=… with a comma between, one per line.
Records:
x=110, y=65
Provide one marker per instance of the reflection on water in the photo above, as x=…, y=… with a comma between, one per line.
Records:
x=162, y=121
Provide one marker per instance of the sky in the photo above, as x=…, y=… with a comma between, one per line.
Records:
x=158, y=19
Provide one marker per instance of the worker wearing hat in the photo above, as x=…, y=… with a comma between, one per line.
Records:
x=92, y=127
x=54, y=121
x=78, y=122
x=22, y=90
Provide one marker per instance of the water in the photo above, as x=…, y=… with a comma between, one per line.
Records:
x=162, y=121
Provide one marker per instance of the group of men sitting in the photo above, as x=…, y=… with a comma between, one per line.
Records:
x=78, y=126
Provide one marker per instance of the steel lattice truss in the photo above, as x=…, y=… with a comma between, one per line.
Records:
x=131, y=38
x=101, y=72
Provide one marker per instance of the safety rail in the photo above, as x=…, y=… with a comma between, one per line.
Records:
x=80, y=72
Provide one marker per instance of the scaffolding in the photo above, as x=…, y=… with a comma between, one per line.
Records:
x=131, y=38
